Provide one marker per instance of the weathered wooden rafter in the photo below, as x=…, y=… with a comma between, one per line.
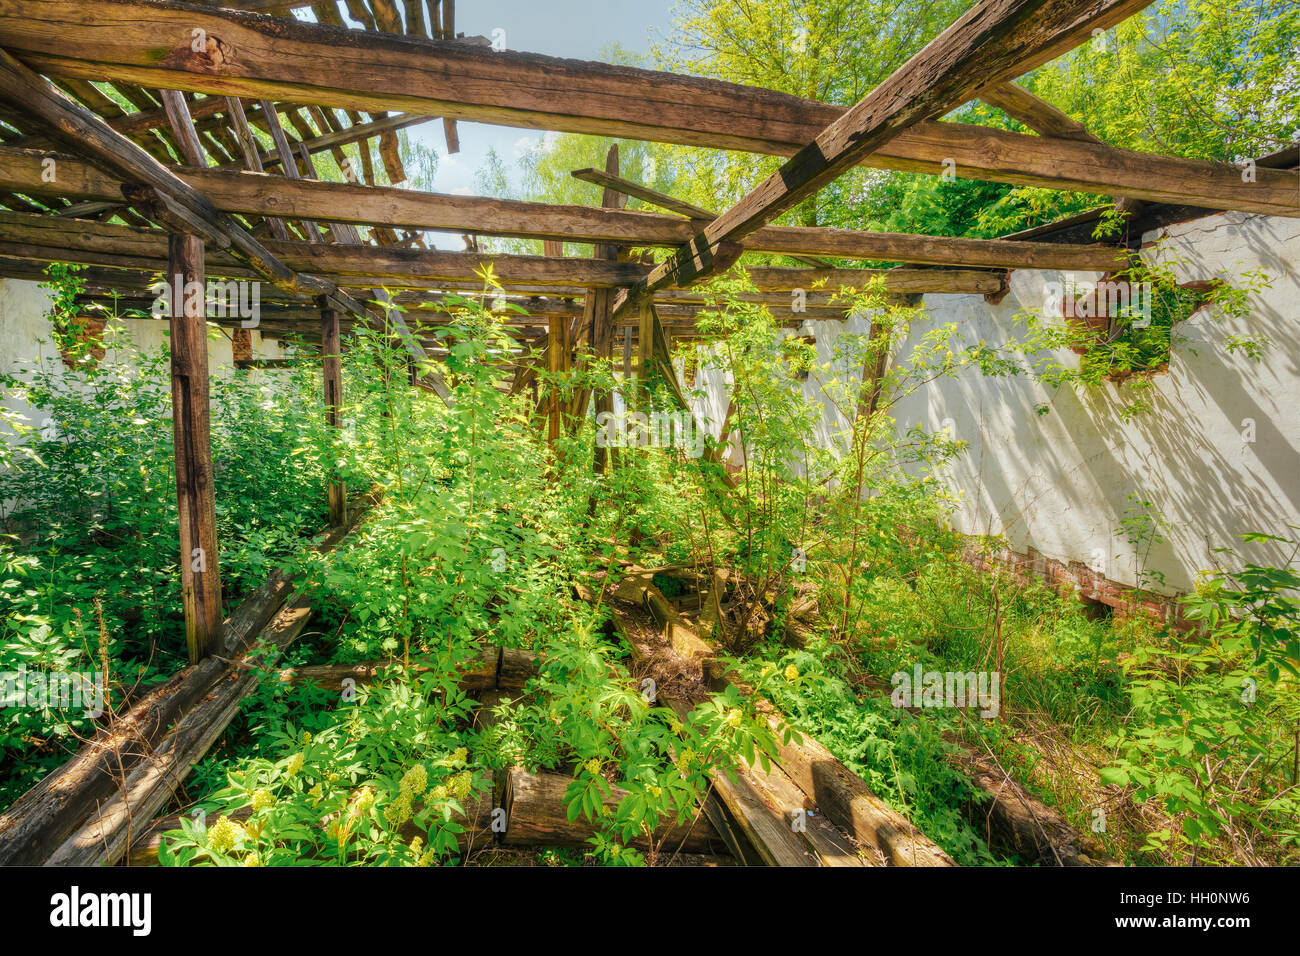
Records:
x=35, y=237
x=329, y=66
x=1040, y=116
x=179, y=203
x=994, y=41
x=264, y=195
x=664, y=201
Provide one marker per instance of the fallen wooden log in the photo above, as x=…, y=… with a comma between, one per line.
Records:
x=45, y=815
x=766, y=829
x=841, y=795
x=801, y=621
x=51, y=810
x=517, y=667
x=712, y=618
x=778, y=791
x=1014, y=821
x=848, y=802
x=752, y=820
x=537, y=815
x=730, y=831
x=476, y=819
x=686, y=644
x=477, y=674
x=154, y=780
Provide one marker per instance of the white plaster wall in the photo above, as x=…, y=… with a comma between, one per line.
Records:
x=23, y=329
x=26, y=333
x=1061, y=482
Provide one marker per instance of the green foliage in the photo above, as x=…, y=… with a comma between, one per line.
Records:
x=88, y=500
x=385, y=784
x=902, y=757
x=471, y=544
x=1124, y=329
x=1206, y=79
x=1213, y=718
x=483, y=530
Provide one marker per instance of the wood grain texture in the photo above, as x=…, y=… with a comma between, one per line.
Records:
x=331, y=349
x=107, y=835
x=1039, y=115
x=265, y=195
x=37, y=237
x=994, y=40
x=195, y=490
x=259, y=57
x=537, y=815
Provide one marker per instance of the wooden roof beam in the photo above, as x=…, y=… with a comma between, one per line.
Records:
x=598, y=177
x=82, y=130
x=271, y=196
x=53, y=239
x=179, y=204
x=629, y=188
x=996, y=40
x=330, y=66
x=1039, y=115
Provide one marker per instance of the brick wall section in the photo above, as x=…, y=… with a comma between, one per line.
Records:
x=1077, y=579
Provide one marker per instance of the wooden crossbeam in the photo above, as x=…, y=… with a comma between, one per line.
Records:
x=81, y=129
x=600, y=177
x=326, y=65
x=664, y=201
x=174, y=202
x=270, y=196
x=131, y=124
x=53, y=239
x=303, y=318
x=1039, y=115
x=994, y=41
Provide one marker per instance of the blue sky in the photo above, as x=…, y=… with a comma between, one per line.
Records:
x=581, y=29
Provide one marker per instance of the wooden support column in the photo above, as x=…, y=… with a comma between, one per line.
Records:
x=645, y=350
x=331, y=349
x=195, y=495
x=557, y=357
x=600, y=306
x=874, y=366
x=554, y=364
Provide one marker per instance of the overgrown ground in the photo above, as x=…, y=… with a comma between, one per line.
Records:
x=484, y=530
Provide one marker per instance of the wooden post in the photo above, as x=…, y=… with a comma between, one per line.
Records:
x=331, y=349
x=600, y=304
x=555, y=363
x=645, y=350
x=557, y=356
x=195, y=495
